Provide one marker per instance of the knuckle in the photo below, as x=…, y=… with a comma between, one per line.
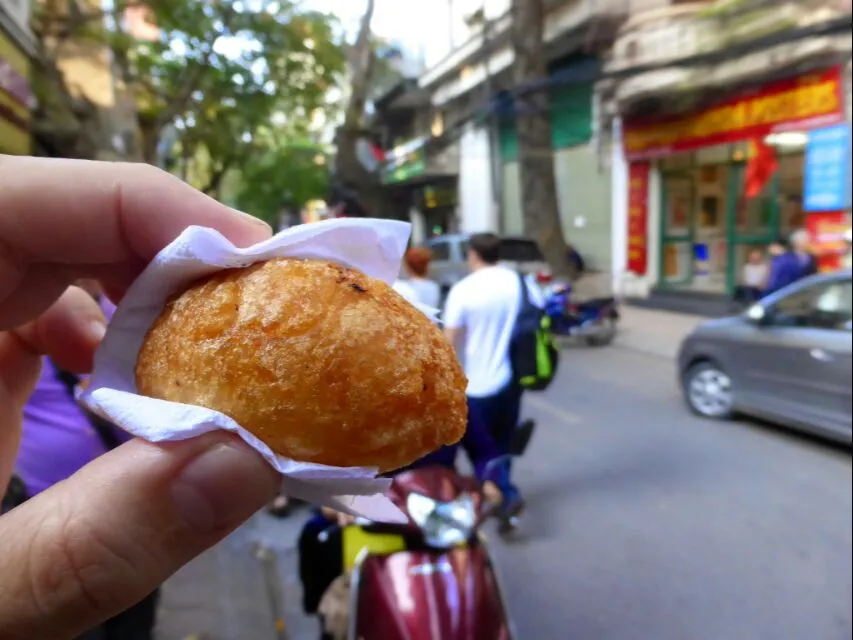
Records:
x=74, y=567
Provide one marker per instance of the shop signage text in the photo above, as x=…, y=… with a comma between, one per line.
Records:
x=827, y=169
x=638, y=217
x=809, y=101
x=826, y=230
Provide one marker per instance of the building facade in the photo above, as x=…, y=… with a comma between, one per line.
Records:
x=723, y=99
x=467, y=126
x=16, y=51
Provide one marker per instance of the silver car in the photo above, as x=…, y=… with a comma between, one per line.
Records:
x=450, y=257
x=787, y=359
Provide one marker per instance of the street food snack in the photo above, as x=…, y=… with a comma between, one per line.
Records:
x=319, y=361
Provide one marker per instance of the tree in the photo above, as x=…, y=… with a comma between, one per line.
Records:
x=538, y=184
x=218, y=70
x=285, y=177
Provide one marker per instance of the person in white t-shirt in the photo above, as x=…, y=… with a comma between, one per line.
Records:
x=479, y=318
x=754, y=278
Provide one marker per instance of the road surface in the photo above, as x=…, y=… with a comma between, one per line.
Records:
x=644, y=523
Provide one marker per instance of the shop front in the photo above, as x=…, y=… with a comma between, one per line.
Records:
x=428, y=196
x=706, y=189
x=15, y=95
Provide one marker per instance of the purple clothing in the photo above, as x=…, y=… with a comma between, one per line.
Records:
x=785, y=269
x=57, y=438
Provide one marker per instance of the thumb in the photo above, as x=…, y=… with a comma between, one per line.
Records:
x=94, y=545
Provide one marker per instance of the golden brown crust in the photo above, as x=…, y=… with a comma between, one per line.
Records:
x=321, y=362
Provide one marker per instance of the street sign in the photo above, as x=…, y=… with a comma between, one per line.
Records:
x=827, y=170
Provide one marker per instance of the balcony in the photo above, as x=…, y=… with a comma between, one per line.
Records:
x=661, y=37
x=570, y=23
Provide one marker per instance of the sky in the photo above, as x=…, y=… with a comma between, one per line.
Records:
x=422, y=25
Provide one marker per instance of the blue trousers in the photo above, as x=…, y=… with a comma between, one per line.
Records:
x=500, y=413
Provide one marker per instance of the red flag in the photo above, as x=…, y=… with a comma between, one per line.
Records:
x=760, y=168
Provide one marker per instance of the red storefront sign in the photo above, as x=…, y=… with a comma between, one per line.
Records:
x=826, y=232
x=806, y=102
x=638, y=217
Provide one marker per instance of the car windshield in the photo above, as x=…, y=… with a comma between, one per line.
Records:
x=520, y=250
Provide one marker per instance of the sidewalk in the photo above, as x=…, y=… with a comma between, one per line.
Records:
x=228, y=592
x=652, y=332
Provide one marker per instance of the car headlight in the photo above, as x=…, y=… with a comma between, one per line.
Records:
x=444, y=524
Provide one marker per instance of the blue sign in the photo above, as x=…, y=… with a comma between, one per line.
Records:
x=828, y=155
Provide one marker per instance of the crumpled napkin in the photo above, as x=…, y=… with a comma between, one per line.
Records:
x=375, y=247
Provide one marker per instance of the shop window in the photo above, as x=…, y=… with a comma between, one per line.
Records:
x=677, y=257
x=709, y=210
x=679, y=195
x=678, y=162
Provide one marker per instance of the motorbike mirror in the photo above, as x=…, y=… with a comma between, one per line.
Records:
x=521, y=438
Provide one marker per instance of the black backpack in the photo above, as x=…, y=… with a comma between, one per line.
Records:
x=532, y=351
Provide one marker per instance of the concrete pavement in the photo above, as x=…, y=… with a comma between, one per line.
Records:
x=654, y=333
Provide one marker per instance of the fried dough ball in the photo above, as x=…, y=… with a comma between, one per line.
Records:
x=319, y=361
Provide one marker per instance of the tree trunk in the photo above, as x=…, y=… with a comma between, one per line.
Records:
x=536, y=160
x=350, y=174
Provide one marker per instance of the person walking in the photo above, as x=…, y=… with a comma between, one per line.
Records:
x=479, y=319
x=785, y=267
x=416, y=286
x=58, y=439
x=801, y=247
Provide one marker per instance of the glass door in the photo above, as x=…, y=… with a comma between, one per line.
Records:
x=677, y=229
x=752, y=223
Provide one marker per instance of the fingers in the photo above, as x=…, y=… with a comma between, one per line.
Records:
x=92, y=215
x=19, y=370
x=70, y=331
x=99, y=542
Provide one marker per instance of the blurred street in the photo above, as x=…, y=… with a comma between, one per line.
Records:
x=644, y=522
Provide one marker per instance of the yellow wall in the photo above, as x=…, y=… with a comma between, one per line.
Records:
x=13, y=139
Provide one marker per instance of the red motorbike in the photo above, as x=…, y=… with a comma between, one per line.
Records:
x=431, y=578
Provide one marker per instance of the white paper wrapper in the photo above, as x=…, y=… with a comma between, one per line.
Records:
x=375, y=247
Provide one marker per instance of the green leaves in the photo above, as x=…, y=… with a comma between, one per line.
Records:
x=284, y=177
x=221, y=72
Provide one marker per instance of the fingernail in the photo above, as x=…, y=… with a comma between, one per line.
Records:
x=97, y=330
x=224, y=486
x=253, y=219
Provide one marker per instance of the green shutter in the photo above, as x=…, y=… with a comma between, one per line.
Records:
x=508, y=140
x=571, y=115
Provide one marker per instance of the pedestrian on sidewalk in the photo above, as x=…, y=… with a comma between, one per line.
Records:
x=785, y=267
x=754, y=277
x=416, y=285
x=479, y=319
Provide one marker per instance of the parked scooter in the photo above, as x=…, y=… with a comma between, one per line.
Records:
x=595, y=321
x=432, y=577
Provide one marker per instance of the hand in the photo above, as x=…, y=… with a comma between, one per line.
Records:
x=94, y=545
x=492, y=494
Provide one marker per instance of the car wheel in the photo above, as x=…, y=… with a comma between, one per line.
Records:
x=709, y=391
